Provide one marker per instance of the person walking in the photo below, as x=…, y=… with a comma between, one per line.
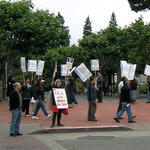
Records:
x=99, y=86
x=125, y=101
x=91, y=97
x=16, y=110
x=27, y=95
x=71, y=88
x=57, y=114
x=39, y=97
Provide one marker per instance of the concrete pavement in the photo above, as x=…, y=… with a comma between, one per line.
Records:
x=75, y=121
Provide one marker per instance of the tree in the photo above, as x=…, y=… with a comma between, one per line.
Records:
x=87, y=29
x=139, y=5
x=139, y=44
x=113, y=20
x=24, y=31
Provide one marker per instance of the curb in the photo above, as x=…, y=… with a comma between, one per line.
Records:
x=82, y=129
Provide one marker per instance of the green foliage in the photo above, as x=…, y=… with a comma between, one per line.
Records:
x=139, y=5
x=113, y=20
x=87, y=29
x=27, y=32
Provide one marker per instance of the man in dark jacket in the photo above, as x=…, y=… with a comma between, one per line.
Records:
x=27, y=94
x=92, y=100
x=99, y=87
x=16, y=110
x=125, y=101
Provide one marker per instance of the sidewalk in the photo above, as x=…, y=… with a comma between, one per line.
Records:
x=77, y=116
x=75, y=121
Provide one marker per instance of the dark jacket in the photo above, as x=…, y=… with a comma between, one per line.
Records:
x=14, y=100
x=27, y=92
x=125, y=94
x=71, y=86
x=10, y=87
x=39, y=91
x=91, y=93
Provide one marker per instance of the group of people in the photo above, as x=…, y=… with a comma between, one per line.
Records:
x=20, y=97
x=126, y=90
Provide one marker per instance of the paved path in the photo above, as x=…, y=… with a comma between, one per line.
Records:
x=76, y=118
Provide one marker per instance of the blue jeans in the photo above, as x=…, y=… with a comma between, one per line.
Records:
x=40, y=105
x=71, y=97
x=15, y=122
x=128, y=110
x=131, y=96
x=148, y=95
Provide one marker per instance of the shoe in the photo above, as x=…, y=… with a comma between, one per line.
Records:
x=19, y=134
x=120, y=118
x=75, y=104
x=99, y=102
x=26, y=115
x=49, y=116
x=35, y=118
x=116, y=120
x=60, y=125
x=134, y=116
x=131, y=121
x=52, y=126
x=94, y=120
x=147, y=102
x=13, y=134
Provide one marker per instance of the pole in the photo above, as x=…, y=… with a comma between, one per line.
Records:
x=23, y=78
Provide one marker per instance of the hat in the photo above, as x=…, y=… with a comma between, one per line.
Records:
x=58, y=80
x=98, y=71
x=42, y=81
x=69, y=75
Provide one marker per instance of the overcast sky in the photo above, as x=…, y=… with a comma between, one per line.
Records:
x=75, y=13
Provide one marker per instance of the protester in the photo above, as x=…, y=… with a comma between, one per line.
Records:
x=147, y=82
x=133, y=86
x=33, y=101
x=91, y=97
x=16, y=110
x=120, y=85
x=27, y=95
x=58, y=112
x=99, y=86
x=10, y=86
x=39, y=97
x=125, y=101
x=70, y=88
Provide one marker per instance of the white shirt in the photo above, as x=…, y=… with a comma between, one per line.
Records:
x=120, y=85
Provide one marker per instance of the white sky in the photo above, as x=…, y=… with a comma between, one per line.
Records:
x=75, y=13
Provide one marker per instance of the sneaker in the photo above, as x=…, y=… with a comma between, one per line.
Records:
x=75, y=104
x=26, y=115
x=49, y=116
x=35, y=118
x=131, y=121
x=116, y=120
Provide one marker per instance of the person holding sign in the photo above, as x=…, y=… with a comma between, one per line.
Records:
x=39, y=97
x=99, y=87
x=27, y=94
x=56, y=112
x=147, y=82
x=92, y=100
x=71, y=88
